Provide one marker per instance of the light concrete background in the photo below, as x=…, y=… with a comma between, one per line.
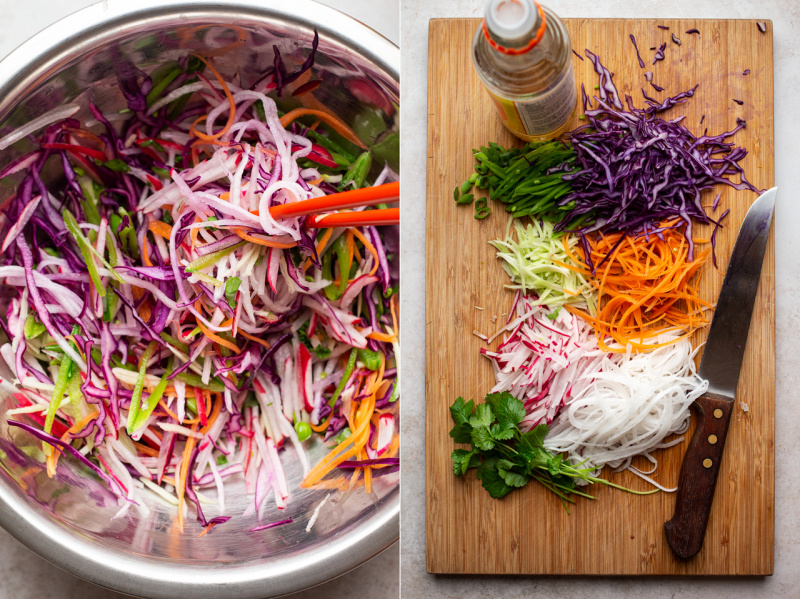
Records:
x=415, y=582
x=23, y=574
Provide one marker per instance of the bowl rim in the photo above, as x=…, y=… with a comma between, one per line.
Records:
x=36, y=59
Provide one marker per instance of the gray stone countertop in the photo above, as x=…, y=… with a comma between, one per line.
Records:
x=415, y=581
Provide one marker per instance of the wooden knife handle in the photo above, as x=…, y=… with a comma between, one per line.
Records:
x=698, y=478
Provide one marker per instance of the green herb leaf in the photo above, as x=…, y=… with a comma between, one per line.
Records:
x=231, y=287
x=502, y=434
x=491, y=480
x=463, y=460
x=554, y=465
x=512, y=479
x=461, y=411
x=482, y=438
x=554, y=314
x=461, y=433
x=535, y=438
x=509, y=410
x=483, y=416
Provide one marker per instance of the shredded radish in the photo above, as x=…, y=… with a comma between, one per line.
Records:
x=542, y=361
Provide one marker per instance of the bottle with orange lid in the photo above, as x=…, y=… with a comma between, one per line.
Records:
x=523, y=56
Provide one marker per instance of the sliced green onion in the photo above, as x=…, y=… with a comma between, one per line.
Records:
x=208, y=260
x=62, y=379
x=348, y=370
x=136, y=397
x=87, y=251
x=33, y=328
x=159, y=87
x=75, y=394
x=172, y=341
x=134, y=424
x=214, y=384
x=371, y=359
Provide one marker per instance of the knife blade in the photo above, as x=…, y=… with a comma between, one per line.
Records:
x=721, y=365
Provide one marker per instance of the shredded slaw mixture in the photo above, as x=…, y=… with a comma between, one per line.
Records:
x=164, y=329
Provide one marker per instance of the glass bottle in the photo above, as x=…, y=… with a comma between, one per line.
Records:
x=522, y=54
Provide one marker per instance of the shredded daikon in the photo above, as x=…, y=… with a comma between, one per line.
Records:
x=635, y=401
x=62, y=112
x=313, y=518
x=533, y=265
x=542, y=361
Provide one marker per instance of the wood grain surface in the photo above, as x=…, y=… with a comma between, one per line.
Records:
x=529, y=532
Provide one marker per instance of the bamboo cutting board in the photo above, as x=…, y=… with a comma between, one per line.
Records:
x=529, y=532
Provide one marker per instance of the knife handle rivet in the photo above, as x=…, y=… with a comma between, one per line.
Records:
x=707, y=463
x=717, y=413
x=712, y=439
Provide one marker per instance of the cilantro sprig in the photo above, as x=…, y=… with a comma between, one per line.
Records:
x=505, y=457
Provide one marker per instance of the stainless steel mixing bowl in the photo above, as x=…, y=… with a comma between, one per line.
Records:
x=67, y=519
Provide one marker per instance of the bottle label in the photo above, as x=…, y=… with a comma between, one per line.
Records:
x=544, y=113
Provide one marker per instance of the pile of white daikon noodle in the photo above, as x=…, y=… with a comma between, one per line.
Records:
x=634, y=403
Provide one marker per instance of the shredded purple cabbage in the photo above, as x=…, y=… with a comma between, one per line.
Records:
x=635, y=47
x=639, y=170
x=660, y=53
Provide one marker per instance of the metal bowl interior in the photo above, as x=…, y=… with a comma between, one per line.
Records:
x=68, y=519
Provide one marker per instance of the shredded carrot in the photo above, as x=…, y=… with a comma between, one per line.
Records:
x=231, y=116
x=217, y=339
x=343, y=451
x=146, y=450
x=335, y=122
x=351, y=250
x=253, y=338
x=376, y=382
x=52, y=460
x=273, y=244
x=207, y=529
x=145, y=253
x=378, y=336
x=214, y=414
x=194, y=233
x=160, y=228
x=393, y=307
x=183, y=472
x=382, y=388
x=339, y=484
x=145, y=312
x=173, y=415
x=367, y=472
x=369, y=246
x=644, y=287
x=323, y=426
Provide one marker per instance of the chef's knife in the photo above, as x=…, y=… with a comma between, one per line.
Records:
x=720, y=365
